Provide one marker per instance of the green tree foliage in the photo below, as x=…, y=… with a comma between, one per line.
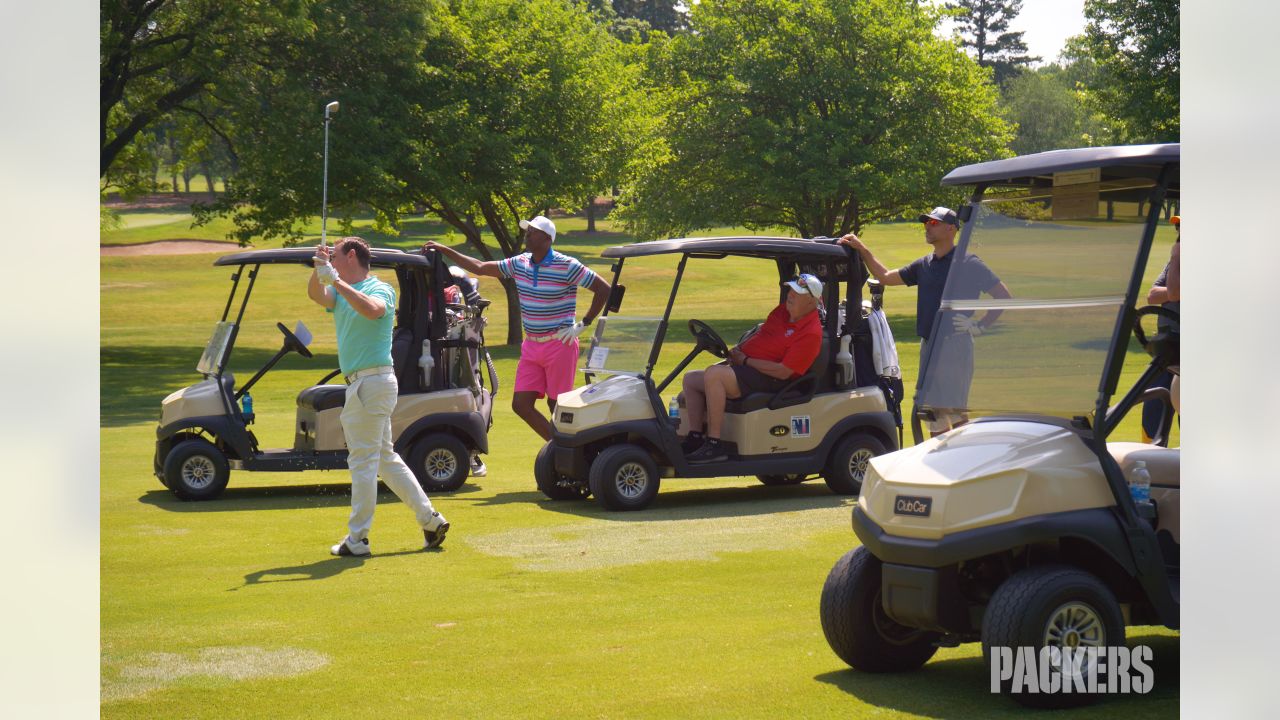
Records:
x=1050, y=111
x=822, y=116
x=984, y=26
x=1135, y=46
x=478, y=112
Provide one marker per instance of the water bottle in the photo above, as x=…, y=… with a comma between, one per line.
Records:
x=673, y=409
x=246, y=405
x=1140, y=483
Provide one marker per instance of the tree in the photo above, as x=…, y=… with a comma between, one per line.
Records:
x=665, y=15
x=822, y=116
x=1135, y=46
x=481, y=113
x=984, y=26
x=1050, y=112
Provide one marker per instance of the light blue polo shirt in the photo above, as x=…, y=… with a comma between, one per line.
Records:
x=364, y=343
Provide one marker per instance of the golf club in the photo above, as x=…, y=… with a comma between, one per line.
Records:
x=324, y=210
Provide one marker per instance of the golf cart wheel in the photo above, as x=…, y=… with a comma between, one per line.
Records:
x=196, y=470
x=549, y=481
x=1051, y=605
x=440, y=461
x=847, y=465
x=775, y=480
x=856, y=626
x=624, y=477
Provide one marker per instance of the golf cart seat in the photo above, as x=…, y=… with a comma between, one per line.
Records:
x=794, y=392
x=1161, y=462
x=322, y=397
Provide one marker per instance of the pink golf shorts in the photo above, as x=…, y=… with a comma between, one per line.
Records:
x=546, y=368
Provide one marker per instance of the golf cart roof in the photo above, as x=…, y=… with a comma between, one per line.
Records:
x=380, y=257
x=751, y=246
x=1038, y=169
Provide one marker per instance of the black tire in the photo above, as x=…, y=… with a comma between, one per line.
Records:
x=848, y=462
x=1024, y=606
x=856, y=626
x=544, y=473
x=196, y=469
x=775, y=480
x=440, y=461
x=624, y=477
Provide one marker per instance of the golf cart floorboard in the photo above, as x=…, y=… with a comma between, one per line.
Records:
x=288, y=460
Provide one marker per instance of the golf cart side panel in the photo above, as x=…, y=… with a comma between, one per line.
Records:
x=800, y=428
x=235, y=439
x=320, y=430
x=983, y=474
x=619, y=398
x=470, y=427
x=411, y=407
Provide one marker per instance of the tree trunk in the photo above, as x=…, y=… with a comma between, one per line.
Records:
x=591, y=214
x=207, y=171
x=173, y=179
x=186, y=180
x=515, y=330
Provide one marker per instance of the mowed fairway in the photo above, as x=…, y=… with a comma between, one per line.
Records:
x=705, y=605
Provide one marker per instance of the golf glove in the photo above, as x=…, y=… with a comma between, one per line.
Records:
x=326, y=273
x=569, y=333
x=966, y=324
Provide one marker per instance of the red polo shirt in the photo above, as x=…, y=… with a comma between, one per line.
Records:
x=794, y=344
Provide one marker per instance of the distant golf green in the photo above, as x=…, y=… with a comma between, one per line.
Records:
x=705, y=605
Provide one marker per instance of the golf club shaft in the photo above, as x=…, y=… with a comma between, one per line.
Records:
x=324, y=205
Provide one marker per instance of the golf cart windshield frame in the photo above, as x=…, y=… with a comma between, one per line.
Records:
x=834, y=262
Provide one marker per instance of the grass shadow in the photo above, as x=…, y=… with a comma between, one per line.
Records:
x=959, y=688
x=699, y=504
x=278, y=497
x=319, y=570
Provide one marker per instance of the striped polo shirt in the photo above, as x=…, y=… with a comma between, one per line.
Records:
x=548, y=290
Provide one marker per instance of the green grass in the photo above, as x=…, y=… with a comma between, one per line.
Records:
x=704, y=605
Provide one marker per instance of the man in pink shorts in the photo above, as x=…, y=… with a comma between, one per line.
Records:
x=547, y=284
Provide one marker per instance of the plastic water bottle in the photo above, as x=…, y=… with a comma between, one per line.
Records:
x=246, y=404
x=673, y=409
x=1140, y=483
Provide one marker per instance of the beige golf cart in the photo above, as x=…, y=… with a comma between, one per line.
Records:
x=1019, y=529
x=441, y=418
x=615, y=439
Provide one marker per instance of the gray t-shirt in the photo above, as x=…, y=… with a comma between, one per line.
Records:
x=1163, y=281
x=973, y=278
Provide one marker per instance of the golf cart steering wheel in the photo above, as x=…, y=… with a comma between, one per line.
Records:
x=291, y=342
x=1150, y=310
x=707, y=339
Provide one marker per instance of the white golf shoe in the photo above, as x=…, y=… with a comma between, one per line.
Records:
x=348, y=548
x=434, y=533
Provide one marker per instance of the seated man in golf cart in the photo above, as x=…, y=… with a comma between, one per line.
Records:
x=784, y=348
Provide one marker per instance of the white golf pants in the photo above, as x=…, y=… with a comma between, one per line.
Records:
x=366, y=422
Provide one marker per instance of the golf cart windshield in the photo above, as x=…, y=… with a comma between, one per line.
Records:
x=216, y=349
x=622, y=345
x=1066, y=254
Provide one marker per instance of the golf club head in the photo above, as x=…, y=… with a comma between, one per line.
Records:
x=331, y=108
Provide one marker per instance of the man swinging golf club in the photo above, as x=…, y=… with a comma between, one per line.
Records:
x=547, y=284
x=363, y=310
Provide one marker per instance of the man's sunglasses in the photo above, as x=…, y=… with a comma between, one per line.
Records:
x=931, y=221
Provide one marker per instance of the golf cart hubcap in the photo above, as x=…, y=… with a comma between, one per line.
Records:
x=858, y=464
x=1074, y=625
x=441, y=464
x=631, y=479
x=197, y=471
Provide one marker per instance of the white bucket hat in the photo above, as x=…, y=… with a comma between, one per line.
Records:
x=542, y=223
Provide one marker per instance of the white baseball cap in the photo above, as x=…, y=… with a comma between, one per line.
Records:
x=806, y=284
x=542, y=223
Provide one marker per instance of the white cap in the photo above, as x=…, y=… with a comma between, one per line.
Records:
x=542, y=223
x=806, y=284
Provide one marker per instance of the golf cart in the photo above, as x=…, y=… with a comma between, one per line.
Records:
x=1019, y=528
x=442, y=416
x=615, y=439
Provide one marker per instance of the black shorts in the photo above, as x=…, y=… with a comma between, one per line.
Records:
x=751, y=380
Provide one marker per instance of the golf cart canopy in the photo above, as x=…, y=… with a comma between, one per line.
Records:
x=1038, y=170
x=380, y=257
x=761, y=247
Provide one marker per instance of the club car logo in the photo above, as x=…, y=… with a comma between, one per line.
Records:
x=908, y=505
x=1065, y=670
x=778, y=430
